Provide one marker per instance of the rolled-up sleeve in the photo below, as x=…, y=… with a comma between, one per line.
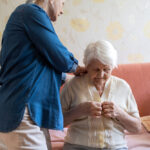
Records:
x=66, y=97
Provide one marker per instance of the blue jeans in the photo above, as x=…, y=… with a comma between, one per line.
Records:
x=68, y=146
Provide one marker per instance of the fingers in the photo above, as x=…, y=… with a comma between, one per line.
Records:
x=97, y=115
x=108, y=109
x=95, y=109
x=90, y=108
x=80, y=71
x=108, y=106
x=107, y=103
x=108, y=115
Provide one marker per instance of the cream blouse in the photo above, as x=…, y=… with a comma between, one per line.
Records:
x=97, y=132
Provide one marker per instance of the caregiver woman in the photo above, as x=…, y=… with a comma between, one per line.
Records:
x=32, y=60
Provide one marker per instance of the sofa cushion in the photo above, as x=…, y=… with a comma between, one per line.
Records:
x=58, y=136
x=140, y=141
x=146, y=122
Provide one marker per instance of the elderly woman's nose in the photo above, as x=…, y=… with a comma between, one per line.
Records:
x=100, y=73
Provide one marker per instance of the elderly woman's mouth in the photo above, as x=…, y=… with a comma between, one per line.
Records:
x=99, y=79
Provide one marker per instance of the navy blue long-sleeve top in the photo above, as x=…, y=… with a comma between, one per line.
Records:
x=32, y=60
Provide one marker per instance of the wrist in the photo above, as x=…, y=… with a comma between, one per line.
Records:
x=119, y=115
x=74, y=68
x=82, y=109
x=116, y=119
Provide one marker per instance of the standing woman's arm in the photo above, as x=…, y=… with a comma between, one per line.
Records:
x=41, y=32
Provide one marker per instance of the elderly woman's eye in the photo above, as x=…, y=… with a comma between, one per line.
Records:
x=106, y=70
x=97, y=70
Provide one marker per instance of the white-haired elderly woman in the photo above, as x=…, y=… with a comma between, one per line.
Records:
x=32, y=65
x=98, y=107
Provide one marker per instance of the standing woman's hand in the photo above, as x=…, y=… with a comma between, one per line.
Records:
x=80, y=71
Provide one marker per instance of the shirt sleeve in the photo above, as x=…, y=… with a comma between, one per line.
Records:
x=65, y=97
x=74, y=67
x=132, y=106
x=63, y=78
x=41, y=32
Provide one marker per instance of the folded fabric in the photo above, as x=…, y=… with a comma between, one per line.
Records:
x=146, y=122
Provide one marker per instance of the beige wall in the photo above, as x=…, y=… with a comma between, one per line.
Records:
x=6, y=7
x=125, y=23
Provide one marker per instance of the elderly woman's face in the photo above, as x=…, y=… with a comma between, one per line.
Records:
x=55, y=8
x=98, y=72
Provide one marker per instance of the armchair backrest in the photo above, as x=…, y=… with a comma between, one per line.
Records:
x=138, y=77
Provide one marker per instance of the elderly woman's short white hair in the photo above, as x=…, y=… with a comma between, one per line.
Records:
x=102, y=51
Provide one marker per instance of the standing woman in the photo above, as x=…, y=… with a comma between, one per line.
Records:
x=32, y=61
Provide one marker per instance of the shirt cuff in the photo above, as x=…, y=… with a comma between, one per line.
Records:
x=74, y=67
x=63, y=78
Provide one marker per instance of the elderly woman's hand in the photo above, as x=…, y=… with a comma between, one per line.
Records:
x=82, y=110
x=91, y=109
x=130, y=123
x=110, y=110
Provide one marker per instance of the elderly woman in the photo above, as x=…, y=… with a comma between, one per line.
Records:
x=98, y=107
x=32, y=62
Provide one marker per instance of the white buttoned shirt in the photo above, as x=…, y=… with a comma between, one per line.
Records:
x=97, y=132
